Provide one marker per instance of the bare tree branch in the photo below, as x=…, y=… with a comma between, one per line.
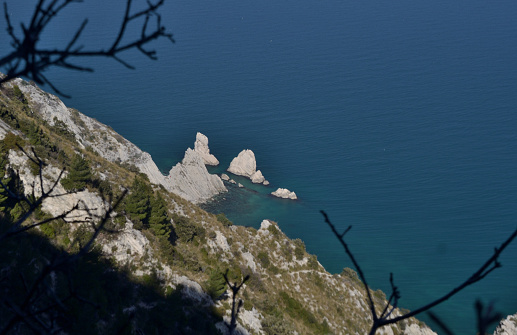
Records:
x=380, y=321
x=30, y=61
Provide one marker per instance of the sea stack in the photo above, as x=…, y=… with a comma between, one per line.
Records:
x=284, y=193
x=201, y=147
x=245, y=165
x=190, y=179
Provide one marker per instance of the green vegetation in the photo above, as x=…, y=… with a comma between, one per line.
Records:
x=186, y=230
x=224, y=220
x=79, y=175
x=138, y=203
x=182, y=239
x=295, y=309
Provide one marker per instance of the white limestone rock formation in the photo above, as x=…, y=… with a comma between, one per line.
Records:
x=112, y=146
x=201, y=147
x=246, y=165
x=190, y=179
x=257, y=177
x=507, y=326
x=225, y=177
x=284, y=193
x=91, y=133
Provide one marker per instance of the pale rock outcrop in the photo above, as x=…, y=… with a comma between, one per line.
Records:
x=126, y=245
x=201, y=147
x=244, y=164
x=5, y=128
x=507, y=326
x=264, y=225
x=225, y=177
x=190, y=179
x=257, y=177
x=250, y=261
x=192, y=290
x=415, y=329
x=251, y=319
x=90, y=205
x=284, y=193
x=110, y=145
x=240, y=185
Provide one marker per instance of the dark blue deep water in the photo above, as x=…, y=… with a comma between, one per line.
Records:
x=397, y=117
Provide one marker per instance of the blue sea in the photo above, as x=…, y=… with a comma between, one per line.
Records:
x=396, y=117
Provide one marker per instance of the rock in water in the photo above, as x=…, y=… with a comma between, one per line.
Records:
x=201, y=147
x=284, y=193
x=507, y=326
x=257, y=177
x=190, y=179
x=244, y=164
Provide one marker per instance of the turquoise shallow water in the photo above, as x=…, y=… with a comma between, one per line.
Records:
x=395, y=117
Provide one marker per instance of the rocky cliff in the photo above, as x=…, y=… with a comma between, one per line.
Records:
x=89, y=133
x=288, y=292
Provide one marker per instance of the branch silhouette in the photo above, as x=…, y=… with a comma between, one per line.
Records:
x=384, y=319
x=235, y=306
x=29, y=60
x=39, y=299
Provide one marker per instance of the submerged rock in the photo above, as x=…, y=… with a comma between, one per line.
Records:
x=201, y=147
x=284, y=193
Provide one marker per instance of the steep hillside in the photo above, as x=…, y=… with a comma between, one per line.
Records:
x=157, y=265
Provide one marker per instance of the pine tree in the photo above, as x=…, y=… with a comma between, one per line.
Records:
x=159, y=221
x=138, y=203
x=79, y=175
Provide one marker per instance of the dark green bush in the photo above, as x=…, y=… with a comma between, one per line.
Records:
x=224, y=220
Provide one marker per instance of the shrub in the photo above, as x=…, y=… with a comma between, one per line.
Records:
x=215, y=285
x=185, y=229
x=79, y=174
x=263, y=259
x=299, y=249
x=224, y=220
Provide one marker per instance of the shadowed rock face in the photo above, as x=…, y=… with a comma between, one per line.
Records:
x=201, y=147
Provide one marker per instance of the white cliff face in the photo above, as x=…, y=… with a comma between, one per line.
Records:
x=190, y=179
x=91, y=133
x=201, y=147
x=284, y=193
x=110, y=145
x=507, y=326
